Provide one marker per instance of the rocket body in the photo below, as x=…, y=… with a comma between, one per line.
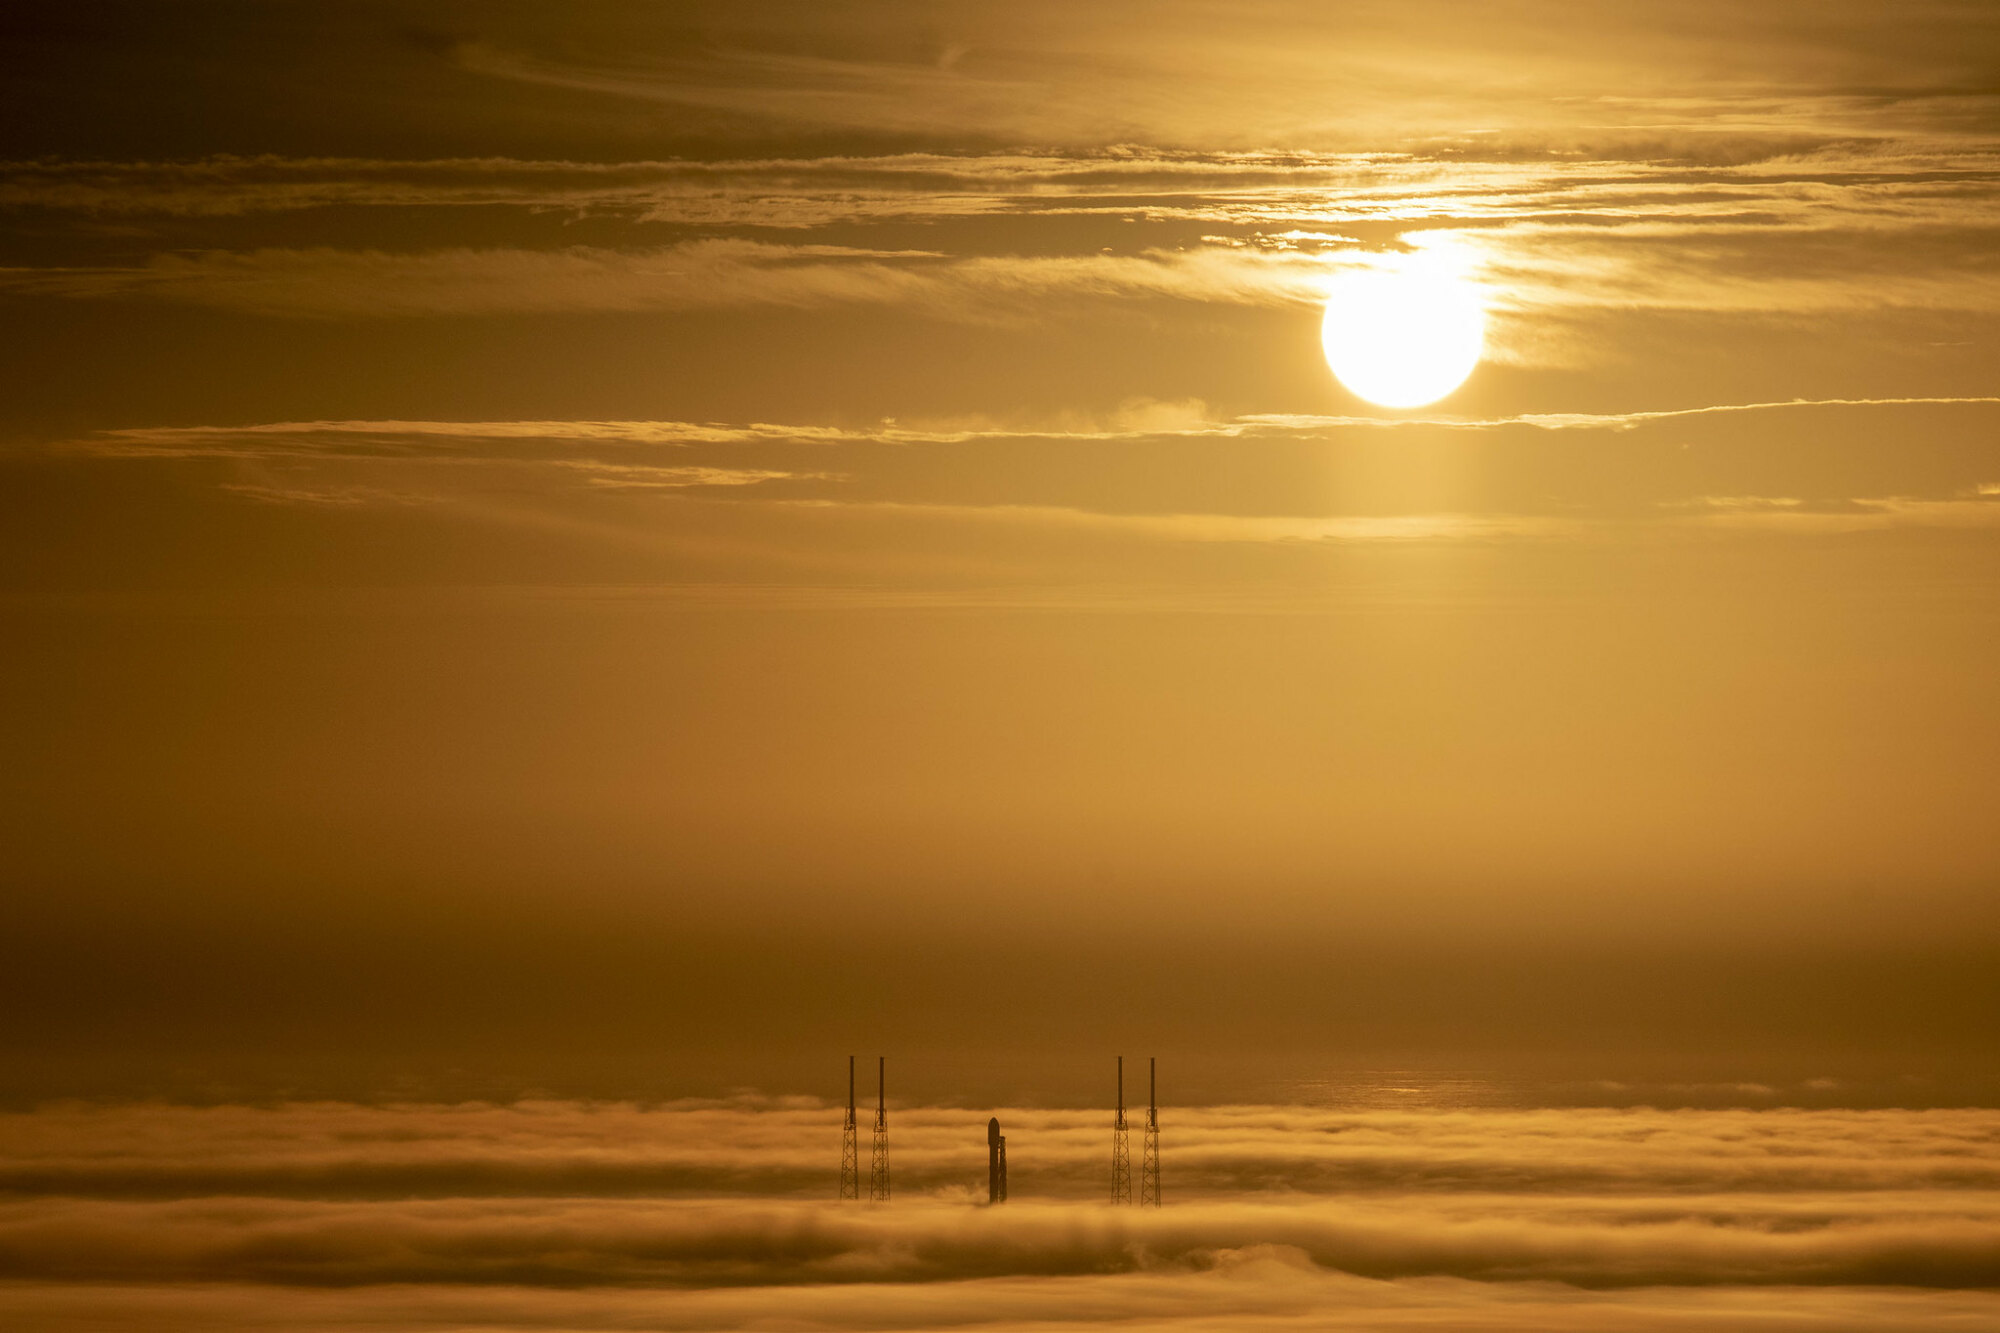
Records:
x=996, y=1162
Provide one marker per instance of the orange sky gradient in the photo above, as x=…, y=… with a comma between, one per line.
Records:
x=626, y=550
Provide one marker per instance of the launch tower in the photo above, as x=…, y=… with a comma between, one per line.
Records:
x=850, y=1144
x=878, y=1166
x=1121, y=1147
x=1149, y=1155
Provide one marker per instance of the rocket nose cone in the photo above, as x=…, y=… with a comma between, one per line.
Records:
x=993, y=1130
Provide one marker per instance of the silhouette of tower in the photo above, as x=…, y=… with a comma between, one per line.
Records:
x=878, y=1166
x=1121, y=1147
x=850, y=1144
x=1149, y=1155
x=996, y=1162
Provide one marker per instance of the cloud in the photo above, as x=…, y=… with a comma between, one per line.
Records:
x=780, y=1151
x=697, y=275
x=1258, y=1288
x=1848, y=183
x=1137, y=475
x=1278, y=74
x=1638, y=1242
x=1628, y=420
x=1559, y=245
x=1534, y=273
x=1138, y=419
x=898, y=96
x=1526, y=276
x=716, y=1214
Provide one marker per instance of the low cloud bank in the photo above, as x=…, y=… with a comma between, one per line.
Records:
x=1261, y=1288
x=1902, y=1240
x=719, y=1214
x=790, y=1149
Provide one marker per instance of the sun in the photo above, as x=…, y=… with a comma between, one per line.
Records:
x=1406, y=330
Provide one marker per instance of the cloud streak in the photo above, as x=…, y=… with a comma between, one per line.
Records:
x=1138, y=420
x=697, y=275
x=1845, y=184
x=1137, y=475
x=1056, y=76
x=1526, y=277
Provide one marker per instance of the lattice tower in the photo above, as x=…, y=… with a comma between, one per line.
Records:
x=878, y=1166
x=850, y=1144
x=1149, y=1154
x=1121, y=1147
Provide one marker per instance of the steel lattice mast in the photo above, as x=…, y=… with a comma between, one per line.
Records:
x=1149, y=1155
x=850, y=1144
x=878, y=1167
x=1121, y=1147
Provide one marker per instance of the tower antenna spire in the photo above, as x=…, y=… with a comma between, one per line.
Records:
x=878, y=1166
x=1149, y=1154
x=1121, y=1147
x=850, y=1144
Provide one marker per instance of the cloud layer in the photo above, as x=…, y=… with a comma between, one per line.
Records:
x=1564, y=248
x=1147, y=472
x=716, y=1215
x=778, y=1149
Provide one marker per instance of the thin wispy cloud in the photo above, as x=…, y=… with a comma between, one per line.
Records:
x=1526, y=280
x=1340, y=479
x=1628, y=420
x=1136, y=421
x=698, y=275
x=1819, y=187
x=1093, y=79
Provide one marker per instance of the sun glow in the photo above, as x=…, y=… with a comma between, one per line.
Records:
x=1406, y=330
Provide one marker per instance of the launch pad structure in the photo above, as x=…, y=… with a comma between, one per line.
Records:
x=1121, y=1147
x=1149, y=1154
x=878, y=1164
x=850, y=1144
x=996, y=1145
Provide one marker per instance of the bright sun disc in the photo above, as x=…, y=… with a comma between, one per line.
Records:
x=1405, y=334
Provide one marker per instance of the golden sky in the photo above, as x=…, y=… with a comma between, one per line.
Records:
x=1434, y=564
x=805, y=490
